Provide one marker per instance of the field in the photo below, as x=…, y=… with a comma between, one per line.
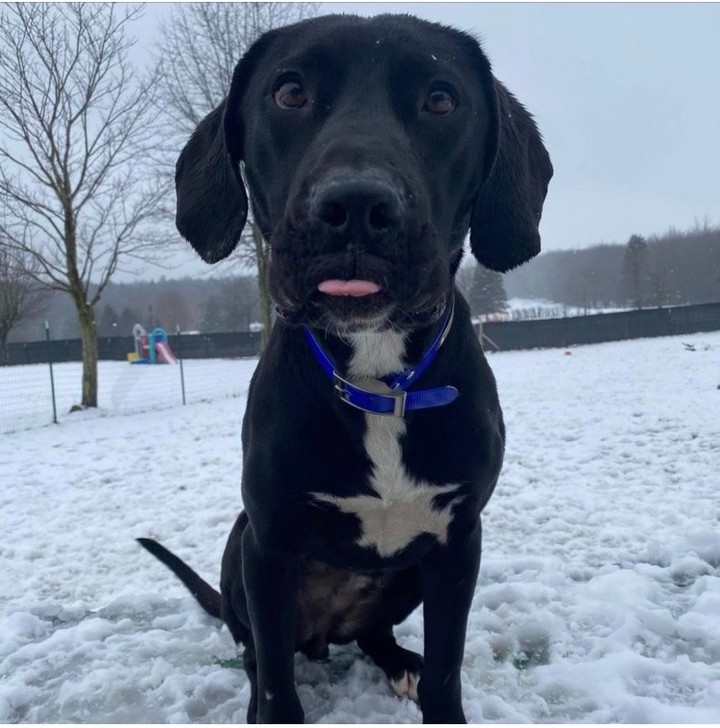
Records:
x=599, y=593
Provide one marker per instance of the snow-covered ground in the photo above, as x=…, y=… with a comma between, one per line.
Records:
x=599, y=595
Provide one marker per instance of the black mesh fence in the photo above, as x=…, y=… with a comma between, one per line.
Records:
x=598, y=328
x=42, y=380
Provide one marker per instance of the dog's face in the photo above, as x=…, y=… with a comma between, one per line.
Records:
x=370, y=146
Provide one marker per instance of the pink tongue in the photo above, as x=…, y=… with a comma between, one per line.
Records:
x=348, y=288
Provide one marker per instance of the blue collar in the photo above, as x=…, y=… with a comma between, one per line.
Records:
x=388, y=395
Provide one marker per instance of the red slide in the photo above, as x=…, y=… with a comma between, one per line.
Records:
x=164, y=353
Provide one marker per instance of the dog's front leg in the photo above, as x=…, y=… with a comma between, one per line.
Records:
x=448, y=577
x=271, y=581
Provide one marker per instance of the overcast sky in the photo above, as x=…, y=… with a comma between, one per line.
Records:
x=627, y=97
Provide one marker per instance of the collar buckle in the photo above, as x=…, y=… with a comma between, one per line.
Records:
x=399, y=403
x=368, y=400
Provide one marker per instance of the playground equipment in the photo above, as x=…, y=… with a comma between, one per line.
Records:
x=152, y=348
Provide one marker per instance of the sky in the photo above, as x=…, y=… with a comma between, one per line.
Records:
x=626, y=96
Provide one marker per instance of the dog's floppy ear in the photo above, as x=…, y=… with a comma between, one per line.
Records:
x=212, y=204
x=211, y=200
x=505, y=217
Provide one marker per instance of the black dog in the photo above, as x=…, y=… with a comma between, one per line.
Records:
x=373, y=437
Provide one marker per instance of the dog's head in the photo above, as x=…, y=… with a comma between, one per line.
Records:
x=370, y=147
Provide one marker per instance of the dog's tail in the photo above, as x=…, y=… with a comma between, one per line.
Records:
x=208, y=598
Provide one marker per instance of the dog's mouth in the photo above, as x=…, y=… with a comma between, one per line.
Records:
x=351, y=305
x=339, y=291
x=344, y=307
x=351, y=288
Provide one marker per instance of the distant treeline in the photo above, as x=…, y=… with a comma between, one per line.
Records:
x=670, y=269
x=209, y=305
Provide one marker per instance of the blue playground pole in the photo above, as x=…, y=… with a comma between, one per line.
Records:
x=156, y=335
x=151, y=347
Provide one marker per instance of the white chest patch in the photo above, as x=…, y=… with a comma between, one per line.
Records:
x=403, y=508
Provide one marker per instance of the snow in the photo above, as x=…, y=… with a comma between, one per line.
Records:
x=599, y=593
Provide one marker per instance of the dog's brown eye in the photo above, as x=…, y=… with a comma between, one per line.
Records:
x=439, y=101
x=291, y=95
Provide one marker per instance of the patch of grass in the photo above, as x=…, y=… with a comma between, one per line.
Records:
x=234, y=663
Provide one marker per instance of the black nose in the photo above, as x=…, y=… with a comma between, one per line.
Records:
x=357, y=205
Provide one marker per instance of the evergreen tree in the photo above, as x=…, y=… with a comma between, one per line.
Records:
x=635, y=272
x=487, y=292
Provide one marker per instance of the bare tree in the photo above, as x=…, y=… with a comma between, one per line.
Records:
x=172, y=310
x=77, y=125
x=21, y=297
x=200, y=46
x=239, y=302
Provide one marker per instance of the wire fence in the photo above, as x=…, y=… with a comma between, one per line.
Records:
x=214, y=366
x=30, y=397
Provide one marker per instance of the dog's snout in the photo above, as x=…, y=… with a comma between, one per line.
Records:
x=357, y=206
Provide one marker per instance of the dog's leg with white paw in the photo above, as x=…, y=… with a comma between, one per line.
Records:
x=271, y=581
x=402, y=666
x=250, y=664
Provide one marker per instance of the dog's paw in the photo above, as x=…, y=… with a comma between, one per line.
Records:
x=406, y=685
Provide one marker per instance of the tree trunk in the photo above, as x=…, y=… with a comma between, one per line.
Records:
x=4, y=353
x=88, y=332
x=262, y=255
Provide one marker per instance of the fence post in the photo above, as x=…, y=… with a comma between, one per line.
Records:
x=52, y=378
x=180, y=360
